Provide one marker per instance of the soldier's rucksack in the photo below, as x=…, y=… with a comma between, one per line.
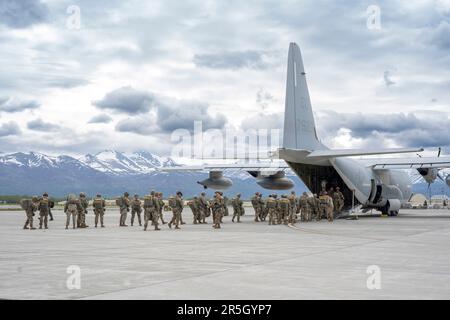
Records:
x=25, y=204
x=255, y=201
x=271, y=203
x=149, y=202
x=51, y=204
x=172, y=202
x=72, y=206
x=98, y=203
x=44, y=204
x=284, y=204
x=119, y=202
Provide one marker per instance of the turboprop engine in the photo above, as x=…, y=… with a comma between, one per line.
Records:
x=275, y=181
x=216, y=181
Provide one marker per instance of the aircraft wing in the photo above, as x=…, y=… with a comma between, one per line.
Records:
x=236, y=166
x=409, y=163
x=358, y=152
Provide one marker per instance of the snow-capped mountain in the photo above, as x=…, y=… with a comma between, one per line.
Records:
x=108, y=172
x=115, y=162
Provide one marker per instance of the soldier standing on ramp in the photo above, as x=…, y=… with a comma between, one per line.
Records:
x=72, y=208
x=193, y=204
x=176, y=204
x=136, y=209
x=237, y=208
x=338, y=200
x=161, y=206
x=43, y=211
x=151, y=210
x=271, y=205
x=99, y=205
x=124, y=205
x=30, y=207
x=256, y=206
x=293, y=206
x=82, y=212
x=284, y=204
x=218, y=208
x=305, y=208
x=203, y=207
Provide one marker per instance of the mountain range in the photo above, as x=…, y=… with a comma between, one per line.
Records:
x=112, y=172
x=109, y=173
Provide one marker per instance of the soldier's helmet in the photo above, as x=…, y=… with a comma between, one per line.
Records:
x=71, y=197
x=45, y=194
x=82, y=195
x=152, y=193
x=337, y=188
x=315, y=194
x=195, y=197
x=202, y=194
x=136, y=196
x=283, y=196
x=179, y=193
x=305, y=193
x=257, y=193
x=35, y=199
x=99, y=195
x=238, y=195
x=126, y=194
x=292, y=192
x=324, y=193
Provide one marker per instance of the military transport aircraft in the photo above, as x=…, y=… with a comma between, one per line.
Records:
x=372, y=183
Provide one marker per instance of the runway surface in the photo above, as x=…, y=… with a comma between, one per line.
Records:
x=316, y=260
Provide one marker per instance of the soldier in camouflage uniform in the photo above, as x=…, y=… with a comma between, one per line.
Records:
x=136, y=209
x=325, y=206
x=161, y=206
x=338, y=200
x=238, y=207
x=264, y=211
x=99, y=205
x=44, y=208
x=271, y=205
x=72, y=208
x=284, y=207
x=177, y=205
x=193, y=204
x=203, y=205
x=218, y=208
x=31, y=208
x=293, y=207
x=151, y=210
x=124, y=208
x=81, y=221
x=256, y=203
x=314, y=205
x=304, y=207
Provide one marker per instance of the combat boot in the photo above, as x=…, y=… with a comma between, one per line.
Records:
x=170, y=225
x=177, y=227
x=103, y=226
x=25, y=227
x=32, y=228
x=157, y=228
x=67, y=227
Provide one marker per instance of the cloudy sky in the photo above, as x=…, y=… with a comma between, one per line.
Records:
x=128, y=73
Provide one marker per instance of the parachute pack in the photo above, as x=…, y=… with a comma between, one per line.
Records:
x=25, y=204
x=271, y=203
x=172, y=202
x=98, y=203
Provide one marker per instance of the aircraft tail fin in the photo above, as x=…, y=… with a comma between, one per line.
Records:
x=299, y=126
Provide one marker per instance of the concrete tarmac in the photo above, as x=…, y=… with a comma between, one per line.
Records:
x=410, y=255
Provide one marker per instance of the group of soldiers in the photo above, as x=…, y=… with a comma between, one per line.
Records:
x=278, y=210
x=285, y=209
